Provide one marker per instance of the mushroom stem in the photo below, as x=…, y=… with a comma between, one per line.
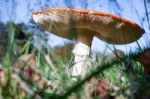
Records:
x=81, y=53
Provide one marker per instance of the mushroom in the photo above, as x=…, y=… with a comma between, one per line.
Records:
x=82, y=25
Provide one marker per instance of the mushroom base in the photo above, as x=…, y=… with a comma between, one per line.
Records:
x=81, y=53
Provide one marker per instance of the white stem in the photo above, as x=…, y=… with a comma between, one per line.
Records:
x=81, y=53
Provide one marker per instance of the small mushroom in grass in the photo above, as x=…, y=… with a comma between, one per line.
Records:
x=82, y=25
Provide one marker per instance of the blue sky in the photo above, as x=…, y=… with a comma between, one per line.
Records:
x=20, y=11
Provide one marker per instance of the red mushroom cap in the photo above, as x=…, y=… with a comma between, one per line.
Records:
x=67, y=23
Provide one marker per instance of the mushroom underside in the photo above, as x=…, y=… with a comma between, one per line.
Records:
x=105, y=33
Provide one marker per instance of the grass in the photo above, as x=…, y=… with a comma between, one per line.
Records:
x=42, y=78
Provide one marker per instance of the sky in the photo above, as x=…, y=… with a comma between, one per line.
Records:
x=20, y=11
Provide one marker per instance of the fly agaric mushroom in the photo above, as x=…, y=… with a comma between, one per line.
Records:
x=82, y=25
